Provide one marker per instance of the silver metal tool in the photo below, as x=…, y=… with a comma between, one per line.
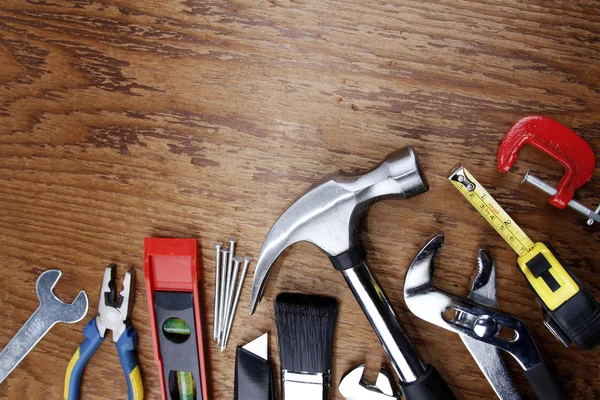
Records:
x=229, y=301
x=50, y=311
x=327, y=216
x=478, y=322
x=352, y=386
x=228, y=288
x=228, y=279
x=592, y=215
x=224, y=261
x=216, y=320
x=486, y=355
x=238, y=292
x=483, y=291
x=237, y=261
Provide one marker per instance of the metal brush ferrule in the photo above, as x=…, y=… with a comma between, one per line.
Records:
x=305, y=385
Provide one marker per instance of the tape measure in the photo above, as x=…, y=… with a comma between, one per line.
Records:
x=546, y=275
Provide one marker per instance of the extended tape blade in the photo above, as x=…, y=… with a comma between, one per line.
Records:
x=495, y=215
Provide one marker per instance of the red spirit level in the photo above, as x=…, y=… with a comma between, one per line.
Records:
x=173, y=274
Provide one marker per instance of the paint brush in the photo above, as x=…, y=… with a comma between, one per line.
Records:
x=305, y=329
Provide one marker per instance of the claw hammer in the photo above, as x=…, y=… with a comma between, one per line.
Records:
x=328, y=216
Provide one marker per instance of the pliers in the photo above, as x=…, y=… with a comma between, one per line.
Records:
x=113, y=314
x=482, y=327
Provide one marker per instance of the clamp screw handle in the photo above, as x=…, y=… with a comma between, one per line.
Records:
x=593, y=216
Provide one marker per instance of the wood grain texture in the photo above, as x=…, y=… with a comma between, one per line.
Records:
x=122, y=119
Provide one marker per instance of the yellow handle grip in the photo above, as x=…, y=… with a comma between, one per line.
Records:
x=136, y=384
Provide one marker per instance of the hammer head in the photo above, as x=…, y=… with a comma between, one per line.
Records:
x=327, y=215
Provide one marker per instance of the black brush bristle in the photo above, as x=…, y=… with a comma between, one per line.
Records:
x=305, y=327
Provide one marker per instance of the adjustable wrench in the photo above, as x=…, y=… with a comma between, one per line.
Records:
x=352, y=386
x=50, y=311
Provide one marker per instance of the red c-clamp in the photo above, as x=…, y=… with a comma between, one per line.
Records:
x=558, y=141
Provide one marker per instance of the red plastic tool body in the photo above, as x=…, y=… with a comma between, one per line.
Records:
x=172, y=265
x=558, y=141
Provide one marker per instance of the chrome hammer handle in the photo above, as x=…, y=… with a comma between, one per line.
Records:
x=404, y=357
x=417, y=381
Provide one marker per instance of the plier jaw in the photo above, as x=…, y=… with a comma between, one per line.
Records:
x=114, y=311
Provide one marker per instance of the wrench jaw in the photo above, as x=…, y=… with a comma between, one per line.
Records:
x=430, y=303
x=352, y=386
x=45, y=285
x=483, y=290
x=50, y=312
x=78, y=308
x=384, y=382
x=70, y=313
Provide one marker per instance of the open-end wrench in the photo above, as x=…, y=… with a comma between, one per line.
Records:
x=50, y=311
x=352, y=386
x=477, y=321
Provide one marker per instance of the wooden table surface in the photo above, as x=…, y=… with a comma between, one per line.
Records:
x=124, y=119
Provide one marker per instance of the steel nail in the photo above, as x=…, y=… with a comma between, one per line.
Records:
x=232, y=241
x=247, y=261
x=216, y=320
x=236, y=266
x=224, y=254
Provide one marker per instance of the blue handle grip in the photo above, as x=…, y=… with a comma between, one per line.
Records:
x=126, y=346
x=80, y=359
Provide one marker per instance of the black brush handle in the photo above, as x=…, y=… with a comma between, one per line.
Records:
x=431, y=386
x=543, y=383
